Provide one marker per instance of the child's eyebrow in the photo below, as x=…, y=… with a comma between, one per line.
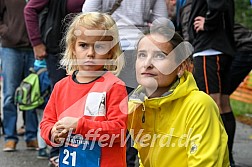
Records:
x=81, y=41
x=107, y=38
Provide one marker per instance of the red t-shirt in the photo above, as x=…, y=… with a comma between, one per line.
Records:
x=101, y=106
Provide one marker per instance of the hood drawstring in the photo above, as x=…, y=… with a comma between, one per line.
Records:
x=143, y=117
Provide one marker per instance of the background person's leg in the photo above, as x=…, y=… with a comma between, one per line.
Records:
x=13, y=63
x=42, y=152
x=212, y=76
x=31, y=121
x=240, y=68
x=226, y=111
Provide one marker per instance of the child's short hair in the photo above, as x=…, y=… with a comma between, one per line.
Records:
x=92, y=21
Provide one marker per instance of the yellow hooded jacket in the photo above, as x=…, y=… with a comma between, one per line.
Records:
x=183, y=128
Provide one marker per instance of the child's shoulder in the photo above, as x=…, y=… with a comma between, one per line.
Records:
x=63, y=81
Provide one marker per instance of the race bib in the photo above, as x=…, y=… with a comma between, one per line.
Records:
x=78, y=152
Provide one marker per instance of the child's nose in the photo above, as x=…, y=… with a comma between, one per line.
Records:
x=91, y=51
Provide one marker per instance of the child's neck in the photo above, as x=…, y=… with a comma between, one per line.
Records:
x=86, y=77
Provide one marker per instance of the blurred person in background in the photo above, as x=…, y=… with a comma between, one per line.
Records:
x=211, y=33
x=17, y=57
x=46, y=43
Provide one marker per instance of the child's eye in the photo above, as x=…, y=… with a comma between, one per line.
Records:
x=159, y=56
x=97, y=46
x=101, y=49
x=141, y=55
x=83, y=45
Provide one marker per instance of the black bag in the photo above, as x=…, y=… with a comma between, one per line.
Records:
x=52, y=26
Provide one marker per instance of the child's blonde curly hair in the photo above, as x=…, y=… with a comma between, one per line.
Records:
x=92, y=21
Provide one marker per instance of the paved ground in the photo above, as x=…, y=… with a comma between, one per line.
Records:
x=23, y=157
x=20, y=158
x=243, y=145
